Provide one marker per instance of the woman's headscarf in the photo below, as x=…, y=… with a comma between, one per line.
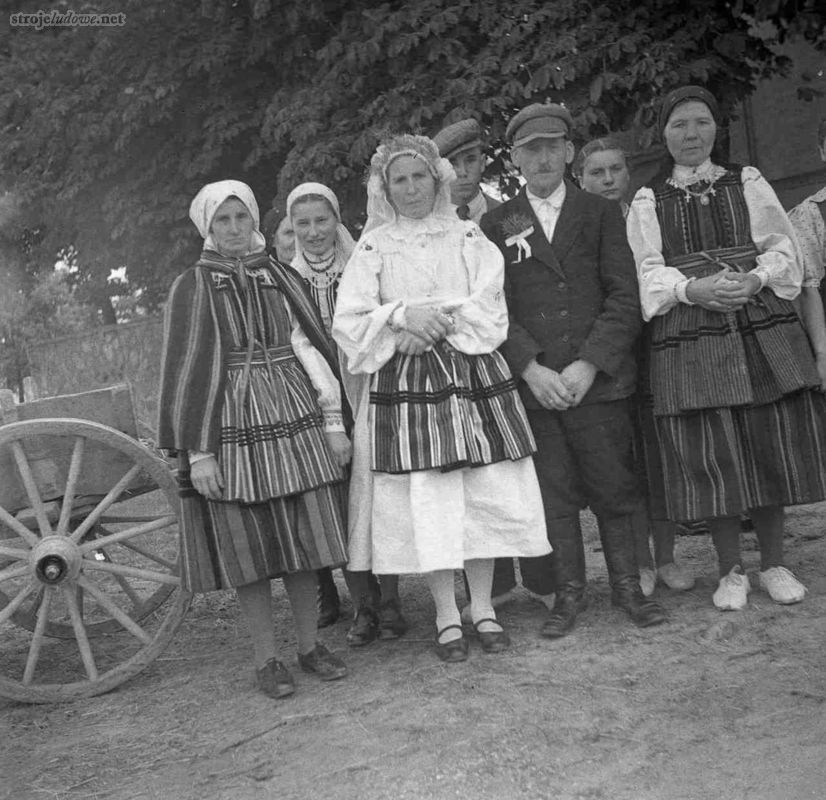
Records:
x=682, y=95
x=344, y=241
x=204, y=205
x=379, y=208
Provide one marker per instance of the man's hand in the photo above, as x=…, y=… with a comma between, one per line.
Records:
x=339, y=446
x=548, y=387
x=207, y=479
x=578, y=376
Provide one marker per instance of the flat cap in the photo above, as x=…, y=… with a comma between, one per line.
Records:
x=459, y=136
x=539, y=120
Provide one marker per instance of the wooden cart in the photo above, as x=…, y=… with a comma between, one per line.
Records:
x=89, y=586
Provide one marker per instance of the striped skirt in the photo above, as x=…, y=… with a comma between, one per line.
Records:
x=446, y=410
x=723, y=461
x=224, y=545
x=700, y=359
x=272, y=438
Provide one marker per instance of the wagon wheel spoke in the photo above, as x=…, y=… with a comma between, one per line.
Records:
x=37, y=637
x=71, y=486
x=32, y=491
x=107, y=605
x=13, y=553
x=114, y=493
x=133, y=596
x=150, y=555
x=15, y=571
x=15, y=603
x=130, y=533
x=18, y=527
x=80, y=633
x=131, y=572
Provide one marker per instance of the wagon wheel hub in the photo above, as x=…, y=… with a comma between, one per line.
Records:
x=55, y=559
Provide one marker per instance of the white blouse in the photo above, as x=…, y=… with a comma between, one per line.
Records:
x=811, y=235
x=435, y=261
x=778, y=266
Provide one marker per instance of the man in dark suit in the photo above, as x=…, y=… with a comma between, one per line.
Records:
x=574, y=311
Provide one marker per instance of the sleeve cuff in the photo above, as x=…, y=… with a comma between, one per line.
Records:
x=333, y=422
x=762, y=273
x=396, y=320
x=680, y=291
x=197, y=455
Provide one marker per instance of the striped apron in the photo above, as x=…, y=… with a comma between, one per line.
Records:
x=446, y=410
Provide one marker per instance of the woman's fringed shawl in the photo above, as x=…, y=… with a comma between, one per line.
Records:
x=193, y=366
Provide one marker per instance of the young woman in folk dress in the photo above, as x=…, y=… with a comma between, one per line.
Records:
x=323, y=246
x=250, y=402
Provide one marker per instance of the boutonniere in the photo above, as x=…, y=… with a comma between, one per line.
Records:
x=517, y=228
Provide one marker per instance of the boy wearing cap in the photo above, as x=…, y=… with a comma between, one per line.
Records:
x=573, y=300
x=461, y=144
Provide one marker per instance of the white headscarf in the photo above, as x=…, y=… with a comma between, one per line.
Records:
x=344, y=243
x=204, y=205
x=379, y=208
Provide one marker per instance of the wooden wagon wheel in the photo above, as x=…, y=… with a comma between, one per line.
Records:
x=140, y=608
x=102, y=567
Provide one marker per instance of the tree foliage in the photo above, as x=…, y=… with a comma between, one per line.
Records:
x=109, y=132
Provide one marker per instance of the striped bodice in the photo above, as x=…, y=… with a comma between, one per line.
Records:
x=689, y=226
x=262, y=315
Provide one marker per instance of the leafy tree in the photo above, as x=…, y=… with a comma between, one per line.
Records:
x=109, y=132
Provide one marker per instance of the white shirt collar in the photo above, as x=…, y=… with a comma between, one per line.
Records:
x=477, y=206
x=556, y=198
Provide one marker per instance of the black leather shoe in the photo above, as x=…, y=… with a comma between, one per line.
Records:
x=455, y=649
x=392, y=624
x=365, y=628
x=274, y=679
x=328, y=603
x=492, y=641
x=323, y=663
x=563, y=617
x=643, y=611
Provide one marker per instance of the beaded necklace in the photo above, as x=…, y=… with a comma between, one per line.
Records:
x=322, y=274
x=709, y=175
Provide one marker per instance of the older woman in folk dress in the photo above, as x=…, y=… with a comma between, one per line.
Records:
x=442, y=474
x=251, y=404
x=734, y=421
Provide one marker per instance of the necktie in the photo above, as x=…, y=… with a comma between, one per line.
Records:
x=463, y=211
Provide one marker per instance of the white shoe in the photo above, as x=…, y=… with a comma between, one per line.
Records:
x=732, y=593
x=498, y=600
x=675, y=577
x=782, y=585
x=648, y=580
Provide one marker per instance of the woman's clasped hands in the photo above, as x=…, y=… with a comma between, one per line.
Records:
x=423, y=326
x=724, y=291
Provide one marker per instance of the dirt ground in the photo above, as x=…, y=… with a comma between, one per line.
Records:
x=710, y=705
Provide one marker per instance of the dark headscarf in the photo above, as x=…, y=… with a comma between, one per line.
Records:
x=683, y=94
